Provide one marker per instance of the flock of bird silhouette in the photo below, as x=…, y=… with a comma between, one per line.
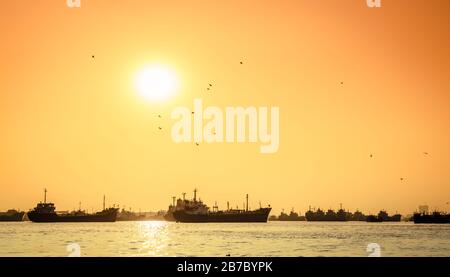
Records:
x=209, y=87
x=402, y=178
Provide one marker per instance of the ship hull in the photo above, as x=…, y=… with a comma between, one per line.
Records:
x=426, y=219
x=299, y=219
x=137, y=218
x=395, y=218
x=100, y=217
x=169, y=217
x=324, y=219
x=14, y=217
x=375, y=219
x=260, y=215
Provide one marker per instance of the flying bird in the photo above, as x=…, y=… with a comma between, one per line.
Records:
x=159, y=116
x=371, y=156
x=401, y=179
x=425, y=153
x=210, y=85
x=241, y=62
x=197, y=144
x=93, y=56
x=160, y=128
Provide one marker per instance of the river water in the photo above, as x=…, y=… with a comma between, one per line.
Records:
x=159, y=238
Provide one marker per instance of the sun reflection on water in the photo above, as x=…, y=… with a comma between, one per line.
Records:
x=156, y=238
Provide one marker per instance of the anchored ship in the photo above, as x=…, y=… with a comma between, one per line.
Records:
x=383, y=216
x=130, y=216
x=45, y=212
x=435, y=217
x=292, y=216
x=12, y=215
x=196, y=211
x=357, y=216
x=330, y=215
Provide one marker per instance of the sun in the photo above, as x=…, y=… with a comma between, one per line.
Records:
x=156, y=82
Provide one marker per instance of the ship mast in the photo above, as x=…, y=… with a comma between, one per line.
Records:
x=184, y=196
x=195, y=195
x=45, y=195
x=104, y=199
x=173, y=200
x=246, y=207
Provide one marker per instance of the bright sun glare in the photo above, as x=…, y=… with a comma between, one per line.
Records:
x=156, y=82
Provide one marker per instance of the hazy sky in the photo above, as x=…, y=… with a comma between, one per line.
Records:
x=78, y=127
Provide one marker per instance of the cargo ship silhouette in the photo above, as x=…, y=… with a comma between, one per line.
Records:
x=130, y=216
x=292, y=216
x=330, y=215
x=433, y=218
x=383, y=216
x=195, y=211
x=45, y=212
x=12, y=215
x=342, y=215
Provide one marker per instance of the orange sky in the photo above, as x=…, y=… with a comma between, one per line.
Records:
x=78, y=127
